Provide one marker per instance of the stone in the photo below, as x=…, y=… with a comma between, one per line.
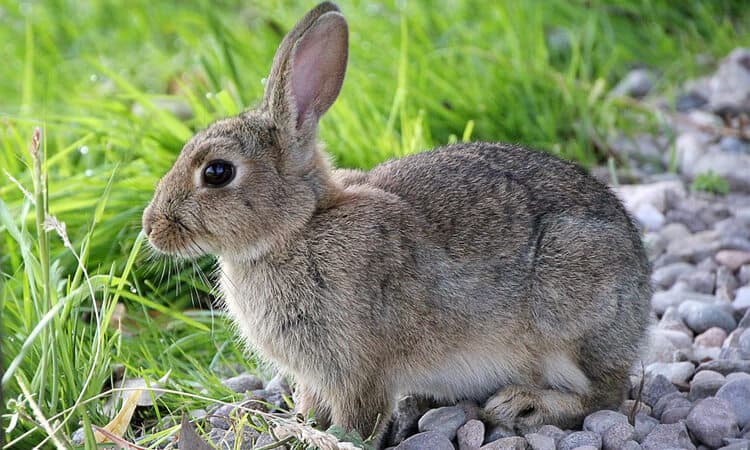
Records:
x=539, y=441
x=731, y=144
x=705, y=384
x=664, y=299
x=733, y=167
x=670, y=401
x=243, y=383
x=615, y=436
x=631, y=445
x=675, y=415
x=471, y=435
x=643, y=426
x=689, y=101
x=665, y=276
x=405, y=419
x=507, y=443
x=689, y=147
x=676, y=372
x=733, y=259
x=666, y=436
x=711, y=420
x=656, y=387
x=579, y=439
x=730, y=84
x=736, y=392
x=553, y=432
x=726, y=366
x=713, y=337
x=743, y=274
x=650, y=218
x=431, y=439
x=736, y=444
x=496, y=432
x=637, y=84
x=745, y=321
x=600, y=421
x=702, y=316
x=445, y=420
x=742, y=299
x=744, y=343
x=671, y=321
x=695, y=247
x=701, y=281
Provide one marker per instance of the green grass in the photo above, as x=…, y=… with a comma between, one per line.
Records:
x=99, y=79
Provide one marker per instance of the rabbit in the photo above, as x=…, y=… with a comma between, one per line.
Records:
x=479, y=271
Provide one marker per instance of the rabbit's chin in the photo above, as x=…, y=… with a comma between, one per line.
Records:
x=247, y=253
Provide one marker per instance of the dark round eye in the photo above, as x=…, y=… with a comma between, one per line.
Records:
x=218, y=173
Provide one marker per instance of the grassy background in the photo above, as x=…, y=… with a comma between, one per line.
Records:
x=118, y=86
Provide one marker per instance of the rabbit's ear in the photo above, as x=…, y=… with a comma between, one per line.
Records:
x=307, y=78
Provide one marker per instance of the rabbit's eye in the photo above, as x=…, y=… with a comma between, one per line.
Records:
x=218, y=173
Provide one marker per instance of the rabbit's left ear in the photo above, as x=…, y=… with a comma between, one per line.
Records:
x=307, y=80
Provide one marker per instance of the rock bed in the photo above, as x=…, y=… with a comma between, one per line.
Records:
x=693, y=389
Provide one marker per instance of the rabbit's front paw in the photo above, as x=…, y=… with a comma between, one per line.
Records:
x=518, y=408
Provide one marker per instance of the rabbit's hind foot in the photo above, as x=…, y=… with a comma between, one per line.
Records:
x=525, y=409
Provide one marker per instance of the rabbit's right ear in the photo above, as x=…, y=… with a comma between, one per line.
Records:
x=308, y=71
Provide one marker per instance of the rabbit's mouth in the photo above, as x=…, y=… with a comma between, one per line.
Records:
x=172, y=237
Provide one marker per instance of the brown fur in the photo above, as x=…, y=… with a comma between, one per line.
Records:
x=470, y=271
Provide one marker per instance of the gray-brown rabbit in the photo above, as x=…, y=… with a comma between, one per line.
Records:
x=470, y=271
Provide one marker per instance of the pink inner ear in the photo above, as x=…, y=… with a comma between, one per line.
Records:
x=318, y=67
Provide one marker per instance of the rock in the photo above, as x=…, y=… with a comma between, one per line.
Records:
x=631, y=445
x=553, y=432
x=496, y=432
x=664, y=299
x=736, y=444
x=711, y=420
x=656, y=387
x=471, y=409
x=671, y=321
x=701, y=281
x=445, y=420
x=726, y=366
x=713, y=337
x=643, y=426
x=670, y=401
x=745, y=321
x=742, y=299
x=650, y=218
x=579, y=439
x=600, y=421
x=431, y=439
x=507, y=443
x=471, y=435
x=733, y=167
x=221, y=416
x=539, y=441
x=243, y=383
x=675, y=415
x=657, y=194
x=664, y=277
x=278, y=385
x=690, y=100
x=702, y=316
x=730, y=85
x=736, y=392
x=615, y=436
x=689, y=147
x=731, y=144
x=665, y=436
x=405, y=419
x=700, y=354
x=677, y=373
x=733, y=259
x=743, y=275
x=637, y=84
x=744, y=343
x=695, y=247
x=705, y=384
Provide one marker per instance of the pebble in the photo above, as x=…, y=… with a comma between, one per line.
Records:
x=471, y=435
x=656, y=387
x=243, y=383
x=744, y=343
x=711, y=420
x=701, y=281
x=702, y=316
x=664, y=299
x=736, y=392
x=665, y=436
x=538, y=441
x=733, y=259
x=665, y=276
x=601, y=421
x=705, y=384
x=643, y=426
x=616, y=436
x=690, y=100
x=670, y=401
x=671, y=321
x=496, y=432
x=445, y=420
x=743, y=275
x=431, y=439
x=713, y=337
x=631, y=445
x=637, y=84
x=726, y=366
x=677, y=372
x=742, y=299
x=507, y=443
x=553, y=432
x=579, y=439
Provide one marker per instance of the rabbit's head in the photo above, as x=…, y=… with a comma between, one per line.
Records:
x=248, y=182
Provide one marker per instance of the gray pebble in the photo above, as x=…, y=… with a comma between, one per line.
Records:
x=664, y=299
x=654, y=388
x=471, y=435
x=664, y=277
x=745, y=321
x=705, y=384
x=674, y=415
x=743, y=274
x=670, y=401
x=445, y=420
x=539, y=441
x=430, y=439
x=666, y=436
x=671, y=321
x=726, y=366
x=643, y=426
x=744, y=343
x=711, y=420
x=741, y=299
x=496, y=432
x=553, y=432
x=690, y=100
x=243, y=383
x=616, y=436
x=737, y=393
x=732, y=144
x=579, y=439
x=677, y=373
x=736, y=444
x=601, y=421
x=631, y=445
x=702, y=316
x=702, y=281
x=637, y=84
x=507, y=443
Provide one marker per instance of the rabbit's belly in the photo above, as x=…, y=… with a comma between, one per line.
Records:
x=463, y=376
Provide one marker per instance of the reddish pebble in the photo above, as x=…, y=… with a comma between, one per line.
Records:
x=713, y=337
x=732, y=258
